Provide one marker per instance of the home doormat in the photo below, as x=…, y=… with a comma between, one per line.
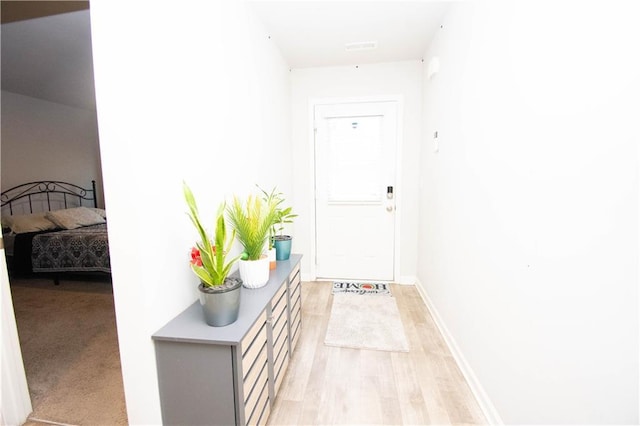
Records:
x=361, y=288
x=366, y=322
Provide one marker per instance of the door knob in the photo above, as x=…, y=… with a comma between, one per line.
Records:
x=389, y=208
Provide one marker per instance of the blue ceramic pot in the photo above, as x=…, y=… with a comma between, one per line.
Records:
x=282, y=243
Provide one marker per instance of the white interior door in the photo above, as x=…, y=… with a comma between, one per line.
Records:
x=355, y=149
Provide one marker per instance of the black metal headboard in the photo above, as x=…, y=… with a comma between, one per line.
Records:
x=46, y=193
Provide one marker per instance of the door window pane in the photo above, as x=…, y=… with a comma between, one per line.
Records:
x=355, y=151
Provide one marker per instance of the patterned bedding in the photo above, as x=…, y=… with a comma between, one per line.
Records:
x=84, y=249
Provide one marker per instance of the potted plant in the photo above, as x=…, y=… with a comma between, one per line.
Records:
x=251, y=221
x=282, y=243
x=271, y=198
x=219, y=292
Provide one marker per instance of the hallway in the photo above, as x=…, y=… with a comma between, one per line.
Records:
x=332, y=385
x=519, y=196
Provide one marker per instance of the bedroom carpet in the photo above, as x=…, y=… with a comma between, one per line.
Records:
x=70, y=349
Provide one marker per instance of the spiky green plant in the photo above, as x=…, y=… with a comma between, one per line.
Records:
x=251, y=221
x=272, y=198
x=209, y=259
x=282, y=214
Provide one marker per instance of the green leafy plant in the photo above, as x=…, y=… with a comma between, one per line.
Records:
x=272, y=199
x=252, y=221
x=282, y=214
x=209, y=259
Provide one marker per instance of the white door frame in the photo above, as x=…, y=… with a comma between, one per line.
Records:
x=16, y=402
x=397, y=190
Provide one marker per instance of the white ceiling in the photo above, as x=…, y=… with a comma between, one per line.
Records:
x=50, y=57
x=314, y=33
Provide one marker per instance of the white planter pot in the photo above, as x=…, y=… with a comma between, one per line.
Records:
x=254, y=273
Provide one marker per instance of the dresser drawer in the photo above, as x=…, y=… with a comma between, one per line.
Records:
x=278, y=297
x=296, y=325
x=296, y=271
x=296, y=313
x=296, y=305
x=280, y=337
x=294, y=281
x=295, y=294
x=265, y=414
x=279, y=322
x=247, y=340
x=280, y=369
x=253, y=397
x=279, y=310
x=255, y=405
x=261, y=418
x=252, y=375
x=280, y=349
x=253, y=345
x=295, y=334
x=295, y=322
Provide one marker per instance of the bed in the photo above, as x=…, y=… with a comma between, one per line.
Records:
x=55, y=228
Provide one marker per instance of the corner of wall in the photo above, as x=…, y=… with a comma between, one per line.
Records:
x=486, y=405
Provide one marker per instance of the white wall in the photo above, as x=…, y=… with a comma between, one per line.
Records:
x=528, y=235
x=196, y=93
x=370, y=80
x=43, y=140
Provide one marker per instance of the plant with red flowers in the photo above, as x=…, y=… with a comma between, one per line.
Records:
x=207, y=262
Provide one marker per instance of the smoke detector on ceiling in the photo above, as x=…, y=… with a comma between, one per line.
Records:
x=361, y=45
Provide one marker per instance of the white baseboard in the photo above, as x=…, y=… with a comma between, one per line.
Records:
x=487, y=407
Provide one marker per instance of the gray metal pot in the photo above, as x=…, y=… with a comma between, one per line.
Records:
x=221, y=304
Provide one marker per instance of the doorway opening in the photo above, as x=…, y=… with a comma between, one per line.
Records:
x=66, y=339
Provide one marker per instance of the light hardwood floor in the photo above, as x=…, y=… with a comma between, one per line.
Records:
x=330, y=385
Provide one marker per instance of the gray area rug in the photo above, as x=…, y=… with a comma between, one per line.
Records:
x=366, y=322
